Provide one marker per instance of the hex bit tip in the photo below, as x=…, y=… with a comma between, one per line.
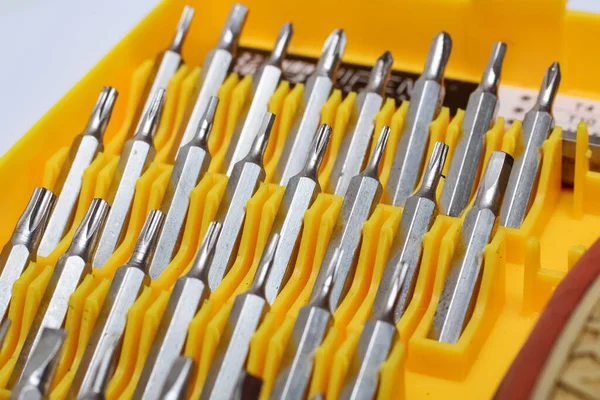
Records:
x=175, y=386
x=101, y=113
x=491, y=75
x=151, y=119
x=230, y=35
x=493, y=184
x=549, y=88
x=205, y=253
x=332, y=53
x=182, y=29
x=437, y=57
x=281, y=45
x=380, y=74
x=146, y=243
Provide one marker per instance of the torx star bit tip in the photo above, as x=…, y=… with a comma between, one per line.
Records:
x=206, y=122
x=205, y=253
x=386, y=313
x=332, y=53
x=372, y=168
x=317, y=151
x=281, y=45
x=230, y=35
x=101, y=113
x=151, y=118
x=491, y=75
x=32, y=222
x=264, y=267
x=146, y=242
x=549, y=89
x=380, y=74
x=437, y=57
x=433, y=171
x=88, y=232
x=182, y=29
x=493, y=184
x=175, y=387
x=259, y=145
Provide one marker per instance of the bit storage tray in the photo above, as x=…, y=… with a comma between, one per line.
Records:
x=521, y=267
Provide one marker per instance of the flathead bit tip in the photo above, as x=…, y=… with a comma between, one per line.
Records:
x=380, y=74
x=318, y=150
x=182, y=29
x=259, y=145
x=100, y=116
x=437, y=57
x=151, y=118
x=492, y=187
x=205, y=252
x=264, y=266
x=88, y=232
x=372, y=167
x=43, y=361
x=230, y=35
x=332, y=53
x=491, y=76
x=175, y=386
x=281, y=44
x=146, y=242
x=433, y=171
x=549, y=88
x=206, y=121
x=33, y=221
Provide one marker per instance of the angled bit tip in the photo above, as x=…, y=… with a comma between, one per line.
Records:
x=4, y=327
x=264, y=267
x=44, y=360
x=549, y=88
x=205, y=253
x=317, y=151
x=490, y=192
x=230, y=35
x=88, y=232
x=433, y=171
x=206, y=122
x=33, y=221
x=151, y=118
x=332, y=53
x=259, y=145
x=102, y=375
x=100, y=116
x=281, y=45
x=175, y=386
x=437, y=57
x=322, y=296
x=380, y=74
x=372, y=168
x=146, y=243
x=491, y=76
x=182, y=29
x=386, y=314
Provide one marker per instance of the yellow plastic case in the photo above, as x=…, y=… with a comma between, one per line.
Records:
x=521, y=267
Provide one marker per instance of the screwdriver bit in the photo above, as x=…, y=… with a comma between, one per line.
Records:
x=190, y=166
x=126, y=286
x=375, y=342
x=138, y=153
x=165, y=66
x=310, y=328
x=241, y=186
x=83, y=151
x=425, y=104
x=4, y=327
x=316, y=92
x=38, y=376
x=355, y=144
x=458, y=294
x=175, y=387
x=70, y=270
x=299, y=195
x=418, y=215
x=104, y=373
x=264, y=84
x=187, y=296
x=214, y=70
x=359, y=203
x=247, y=312
x=537, y=125
x=478, y=118
x=23, y=244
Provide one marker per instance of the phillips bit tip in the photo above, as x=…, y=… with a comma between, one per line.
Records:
x=230, y=35
x=549, y=89
x=146, y=243
x=380, y=74
x=151, y=118
x=175, y=386
x=393, y=295
x=437, y=57
x=332, y=53
x=433, y=171
x=101, y=113
x=182, y=29
x=281, y=45
x=322, y=297
x=205, y=254
x=88, y=233
x=493, y=184
x=491, y=76
x=206, y=122
x=4, y=327
x=259, y=145
x=317, y=151
x=32, y=222
x=264, y=266
x=372, y=168
x=43, y=361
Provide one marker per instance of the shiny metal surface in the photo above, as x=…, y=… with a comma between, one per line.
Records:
x=70, y=270
x=189, y=293
x=300, y=193
x=105, y=371
x=39, y=373
x=127, y=284
x=83, y=151
x=137, y=155
x=316, y=92
x=479, y=116
x=264, y=84
x=455, y=301
x=425, y=103
x=214, y=70
x=360, y=201
x=242, y=184
x=190, y=166
x=418, y=216
x=354, y=147
x=245, y=316
x=310, y=328
x=537, y=125
x=23, y=244
x=175, y=387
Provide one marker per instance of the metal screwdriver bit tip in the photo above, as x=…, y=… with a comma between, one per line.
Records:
x=145, y=245
x=393, y=295
x=380, y=74
x=372, y=167
x=264, y=266
x=230, y=35
x=493, y=184
x=317, y=151
x=32, y=222
x=257, y=151
x=175, y=387
x=88, y=232
x=321, y=296
x=491, y=75
x=101, y=113
x=549, y=88
x=206, y=121
x=182, y=29
x=101, y=377
x=332, y=53
x=437, y=57
x=151, y=119
x=4, y=327
x=205, y=253
x=433, y=171
x=281, y=45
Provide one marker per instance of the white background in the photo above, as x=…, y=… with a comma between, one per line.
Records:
x=57, y=41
